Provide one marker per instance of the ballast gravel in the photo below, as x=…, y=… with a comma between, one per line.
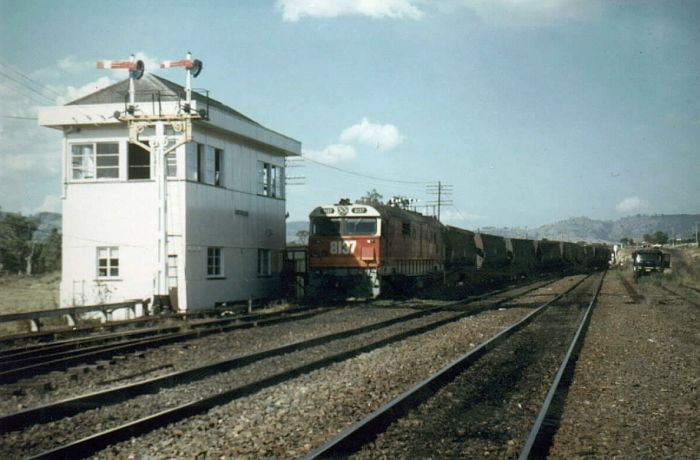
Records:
x=635, y=389
x=290, y=419
x=197, y=352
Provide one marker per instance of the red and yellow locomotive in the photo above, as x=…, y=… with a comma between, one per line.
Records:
x=357, y=250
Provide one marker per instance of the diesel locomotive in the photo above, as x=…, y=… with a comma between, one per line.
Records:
x=363, y=251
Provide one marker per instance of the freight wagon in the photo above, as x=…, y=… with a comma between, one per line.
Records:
x=357, y=250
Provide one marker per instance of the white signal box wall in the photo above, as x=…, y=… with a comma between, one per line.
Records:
x=225, y=202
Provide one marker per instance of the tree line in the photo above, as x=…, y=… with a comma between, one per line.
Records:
x=20, y=252
x=657, y=237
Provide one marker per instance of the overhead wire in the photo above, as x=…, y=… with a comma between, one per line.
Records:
x=26, y=86
x=367, y=176
x=28, y=78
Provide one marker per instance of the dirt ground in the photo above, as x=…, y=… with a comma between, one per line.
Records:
x=635, y=388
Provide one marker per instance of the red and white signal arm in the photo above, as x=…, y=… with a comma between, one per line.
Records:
x=135, y=67
x=195, y=65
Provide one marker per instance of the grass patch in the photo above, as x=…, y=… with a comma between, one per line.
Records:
x=22, y=293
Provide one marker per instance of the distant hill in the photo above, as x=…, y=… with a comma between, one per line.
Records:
x=585, y=229
x=582, y=228
x=573, y=229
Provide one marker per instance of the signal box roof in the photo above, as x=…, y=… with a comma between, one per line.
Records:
x=150, y=89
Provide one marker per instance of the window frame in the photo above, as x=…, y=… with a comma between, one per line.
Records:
x=93, y=161
x=218, y=167
x=215, y=270
x=138, y=167
x=264, y=263
x=112, y=271
x=270, y=180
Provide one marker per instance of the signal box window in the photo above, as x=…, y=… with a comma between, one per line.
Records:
x=218, y=167
x=139, y=162
x=215, y=266
x=95, y=161
x=107, y=262
x=264, y=262
x=270, y=180
x=171, y=165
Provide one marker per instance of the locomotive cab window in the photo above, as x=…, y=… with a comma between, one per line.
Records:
x=323, y=226
x=361, y=226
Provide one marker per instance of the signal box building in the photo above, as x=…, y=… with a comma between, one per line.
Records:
x=217, y=233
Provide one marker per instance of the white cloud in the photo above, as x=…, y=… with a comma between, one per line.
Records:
x=70, y=64
x=51, y=203
x=293, y=10
x=72, y=93
x=632, y=204
x=454, y=215
x=381, y=137
x=520, y=12
x=151, y=63
x=332, y=154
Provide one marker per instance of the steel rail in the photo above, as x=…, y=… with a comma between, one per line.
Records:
x=74, y=331
x=71, y=406
x=695, y=304
x=75, y=342
x=14, y=374
x=52, y=335
x=36, y=354
x=14, y=368
x=540, y=437
x=631, y=291
x=691, y=288
x=91, y=444
x=354, y=437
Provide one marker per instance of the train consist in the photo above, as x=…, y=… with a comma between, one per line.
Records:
x=357, y=250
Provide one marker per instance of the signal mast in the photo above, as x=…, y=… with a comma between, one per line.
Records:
x=159, y=145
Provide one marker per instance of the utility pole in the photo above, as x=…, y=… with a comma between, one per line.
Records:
x=441, y=191
x=697, y=243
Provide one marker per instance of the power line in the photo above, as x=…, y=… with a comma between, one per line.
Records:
x=395, y=181
x=26, y=86
x=42, y=86
x=22, y=92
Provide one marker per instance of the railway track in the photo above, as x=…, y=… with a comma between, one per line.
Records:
x=458, y=412
x=86, y=330
x=42, y=358
x=692, y=288
x=681, y=296
x=631, y=291
x=398, y=329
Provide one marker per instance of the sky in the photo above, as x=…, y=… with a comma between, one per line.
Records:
x=529, y=112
